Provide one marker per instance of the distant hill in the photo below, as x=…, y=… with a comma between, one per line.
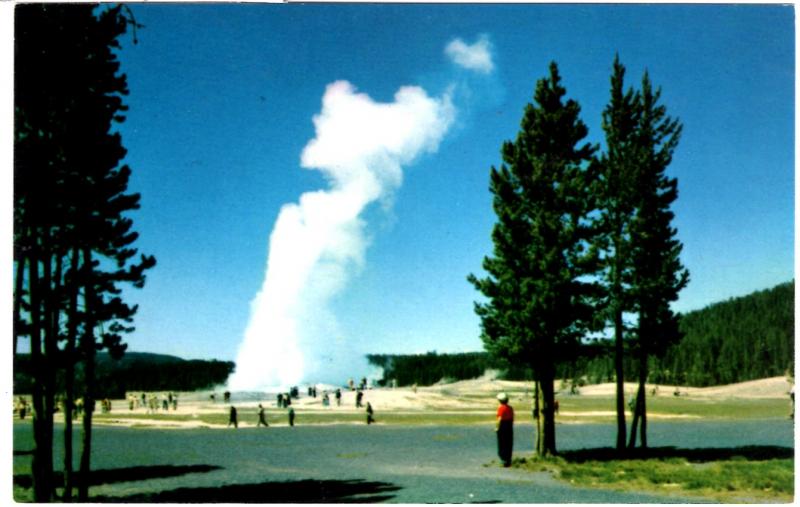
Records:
x=744, y=338
x=141, y=371
x=427, y=369
x=139, y=358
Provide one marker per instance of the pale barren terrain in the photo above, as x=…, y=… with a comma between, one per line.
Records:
x=469, y=397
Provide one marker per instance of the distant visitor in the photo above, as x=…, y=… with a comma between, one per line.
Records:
x=233, y=418
x=370, y=419
x=261, y=417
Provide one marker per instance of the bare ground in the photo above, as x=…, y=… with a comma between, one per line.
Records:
x=476, y=396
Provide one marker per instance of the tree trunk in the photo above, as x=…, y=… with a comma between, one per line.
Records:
x=41, y=468
x=69, y=400
x=549, y=430
x=619, y=350
x=619, y=346
x=51, y=352
x=537, y=415
x=546, y=376
x=640, y=412
x=69, y=376
x=18, y=287
x=641, y=402
x=635, y=422
x=88, y=352
x=643, y=423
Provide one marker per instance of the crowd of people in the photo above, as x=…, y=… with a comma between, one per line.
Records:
x=283, y=400
x=152, y=402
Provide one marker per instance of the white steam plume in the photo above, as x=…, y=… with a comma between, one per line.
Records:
x=360, y=147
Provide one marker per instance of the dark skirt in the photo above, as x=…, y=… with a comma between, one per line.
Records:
x=505, y=441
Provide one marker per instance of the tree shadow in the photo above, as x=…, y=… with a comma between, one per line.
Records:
x=129, y=474
x=304, y=491
x=696, y=455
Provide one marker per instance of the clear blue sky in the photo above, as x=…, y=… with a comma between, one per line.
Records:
x=221, y=105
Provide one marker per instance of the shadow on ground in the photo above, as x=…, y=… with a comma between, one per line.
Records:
x=699, y=455
x=113, y=475
x=306, y=491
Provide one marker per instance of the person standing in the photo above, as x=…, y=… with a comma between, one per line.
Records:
x=338, y=397
x=233, y=418
x=291, y=416
x=370, y=419
x=261, y=417
x=505, y=429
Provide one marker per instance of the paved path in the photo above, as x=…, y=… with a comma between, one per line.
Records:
x=340, y=463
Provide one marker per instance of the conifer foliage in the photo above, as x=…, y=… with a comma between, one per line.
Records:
x=617, y=198
x=584, y=242
x=657, y=272
x=643, y=273
x=538, y=300
x=73, y=240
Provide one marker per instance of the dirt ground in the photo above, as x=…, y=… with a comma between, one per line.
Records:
x=458, y=397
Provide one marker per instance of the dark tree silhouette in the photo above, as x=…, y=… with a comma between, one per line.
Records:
x=71, y=232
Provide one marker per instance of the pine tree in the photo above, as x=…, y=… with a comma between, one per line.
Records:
x=657, y=273
x=70, y=206
x=538, y=299
x=643, y=273
x=617, y=198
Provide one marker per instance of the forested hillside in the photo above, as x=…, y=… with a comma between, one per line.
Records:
x=141, y=371
x=427, y=369
x=741, y=339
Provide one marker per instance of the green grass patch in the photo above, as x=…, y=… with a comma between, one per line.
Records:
x=735, y=479
x=351, y=455
x=446, y=437
x=683, y=406
x=140, y=416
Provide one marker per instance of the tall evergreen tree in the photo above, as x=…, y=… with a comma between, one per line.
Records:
x=617, y=197
x=70, y=206
x=538, y=297
x=657, y=273
x=642, y=272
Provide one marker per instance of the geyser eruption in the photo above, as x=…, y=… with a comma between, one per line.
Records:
x=360, y=147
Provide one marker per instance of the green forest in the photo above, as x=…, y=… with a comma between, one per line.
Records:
x=743, y=338
x=740, y=339
x=139, y=371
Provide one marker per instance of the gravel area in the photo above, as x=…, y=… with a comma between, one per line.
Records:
x=345, y=463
